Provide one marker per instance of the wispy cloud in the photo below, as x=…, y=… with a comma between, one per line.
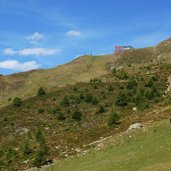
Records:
x=31, y=52
x=8, y=51
x=73, y=33
x=18, y=66
x=35, y=38
x=148, y=39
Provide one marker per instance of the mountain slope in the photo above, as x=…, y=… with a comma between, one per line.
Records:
x=70, y=118
x=81, y=69
x=159, y=53
x=66, y=119
x=26, y=84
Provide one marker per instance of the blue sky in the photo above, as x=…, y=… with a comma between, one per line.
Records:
x=46, y=33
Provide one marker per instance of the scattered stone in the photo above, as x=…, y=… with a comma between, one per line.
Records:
x=135, y=126
x=47, y=162
x=77, y=150
x=16, y=149
x=22, y=131
x=135, y=109
x=25, y=162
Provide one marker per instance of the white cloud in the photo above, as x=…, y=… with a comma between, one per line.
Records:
x=73, y=33
x=9, y=51
x=38, y=52
x=31, y=51
x=17, y=66
x=35, y=38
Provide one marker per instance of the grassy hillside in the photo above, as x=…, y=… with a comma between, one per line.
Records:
x=73, y=105
x=66, y=120
x=148, y=149
x=159, y=53
x=81, y=69
x=26, y=84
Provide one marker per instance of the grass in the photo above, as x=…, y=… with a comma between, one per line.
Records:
x=145, y=151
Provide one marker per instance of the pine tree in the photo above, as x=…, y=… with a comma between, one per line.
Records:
x=41, y=92
x=26, y=149
x=94, y=101
x=88, y=98
x=61, y=116
x=132, y=84
x=43, y=150
x=122, y=99
x=81, y=96
x=101, y=109
x=113, y=118
x=17, y=102
x=65, y=102
x=77, y=115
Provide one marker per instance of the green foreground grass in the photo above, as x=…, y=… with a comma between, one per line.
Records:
x=148, y=150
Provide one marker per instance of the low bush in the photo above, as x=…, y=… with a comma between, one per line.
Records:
x=95, y=101
x=17, y=102
x=77, y=115
x=40, y=111
x=113, y=118
x=61, y=116
x=41, y=91
x=88, y=98
x=65, y=102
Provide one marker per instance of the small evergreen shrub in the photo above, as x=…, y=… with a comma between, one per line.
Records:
x=110, y=88
x=150, y=95
x=56, y=109
x=61, y=116
x=77, y=115
x=101, y=109
x=38, y=159
x=1, y=163
x=122, y=99
x=40, y=111
x=17, y=102
x=26, y=149
x=95, y=80
x=11, y=153
x=1, y=153
x=75, y=88
x=114, y=70
x=88, y=98
x=41, y=91
x=132, y=84
x=95, y=86
x=113, y=118
x=154, y=78
x=94, y=101
x=65, y=102
x=81, y=96
x=40, y=138
x=77, y=100
x=41, y=155
x=150, y=83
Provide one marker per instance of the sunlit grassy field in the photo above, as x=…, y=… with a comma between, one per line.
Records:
x=146, y=150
